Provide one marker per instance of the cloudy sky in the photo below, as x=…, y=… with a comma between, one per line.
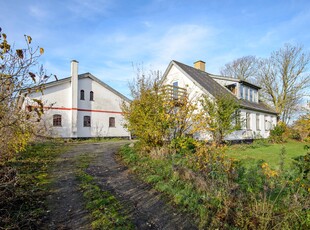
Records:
x=108, y=36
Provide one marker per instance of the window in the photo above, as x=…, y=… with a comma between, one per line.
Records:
x=257, y=122
x=91, y=96
x=111, y=121
x=82, y=95
x=241, y=91
x=248, y=121
x=251, y=95
x=254, y=95
x=267, y=123
x=57, y=120
x=246, y=93
x=175, y=90
x=87, y=121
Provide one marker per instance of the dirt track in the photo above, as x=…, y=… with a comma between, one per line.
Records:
x=145, y=206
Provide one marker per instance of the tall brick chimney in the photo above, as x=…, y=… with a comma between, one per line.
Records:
x=200, y=65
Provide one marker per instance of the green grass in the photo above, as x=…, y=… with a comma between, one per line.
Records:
x=22, y=198
x=106, y=211
x=228, y=202
x=250, y=153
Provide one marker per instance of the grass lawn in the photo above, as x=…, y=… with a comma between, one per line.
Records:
x=249, y=153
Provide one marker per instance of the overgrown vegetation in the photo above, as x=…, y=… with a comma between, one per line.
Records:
x=24, y=185
x=106, y=211
x=17, y=76
x=223, y=193
x=221, y=116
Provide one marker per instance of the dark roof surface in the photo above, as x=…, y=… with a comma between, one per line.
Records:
x=215, y=89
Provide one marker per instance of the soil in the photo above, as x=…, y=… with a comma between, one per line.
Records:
x=146, y=207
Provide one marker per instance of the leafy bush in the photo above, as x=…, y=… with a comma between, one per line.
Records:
x=276, y=134
x=184, y=144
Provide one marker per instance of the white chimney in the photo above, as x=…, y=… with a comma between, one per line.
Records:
x=75, y=93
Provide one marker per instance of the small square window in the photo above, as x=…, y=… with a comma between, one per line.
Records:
x=57, y=120
x=87, y=121
x=112, y=122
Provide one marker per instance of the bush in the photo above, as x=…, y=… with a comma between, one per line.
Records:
x=184, y=145
x=276, y=134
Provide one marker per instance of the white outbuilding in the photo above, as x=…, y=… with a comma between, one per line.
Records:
x=81, y=106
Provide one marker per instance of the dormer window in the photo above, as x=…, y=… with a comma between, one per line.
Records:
x=251, y=95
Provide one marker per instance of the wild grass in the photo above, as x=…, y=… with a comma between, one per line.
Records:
x=222, y=193
x=106, y=211
x=24, y=185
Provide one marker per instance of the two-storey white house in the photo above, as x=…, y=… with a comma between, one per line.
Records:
x=258, y=118
x=81, y=106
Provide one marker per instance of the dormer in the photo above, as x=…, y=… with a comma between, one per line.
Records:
x=248, y=91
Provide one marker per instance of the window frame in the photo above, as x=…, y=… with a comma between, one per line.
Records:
x=267, y=123
x=258, y=121
x=87, y=121
x=91, y=95
x=112, y=122
x=82, y=94
x=248, y=121
x=251, y=95
x=57, y=120
x=175, y=90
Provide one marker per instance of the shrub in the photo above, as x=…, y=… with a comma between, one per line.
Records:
x=184, y=145
x=276, y=134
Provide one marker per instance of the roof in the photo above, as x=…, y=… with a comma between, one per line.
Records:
x=207, y=83
x=235, y=80
x=82, y=76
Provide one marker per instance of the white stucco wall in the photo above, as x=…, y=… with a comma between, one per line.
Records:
x=195, y=91
x=105, y=104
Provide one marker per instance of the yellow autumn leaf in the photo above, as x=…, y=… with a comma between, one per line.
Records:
x=29, y=39
x=41, y=50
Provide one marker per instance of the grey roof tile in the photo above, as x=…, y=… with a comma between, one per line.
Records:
x=215, y=89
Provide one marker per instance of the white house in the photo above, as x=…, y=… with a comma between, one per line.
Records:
x=258, y=117
x=81, y=106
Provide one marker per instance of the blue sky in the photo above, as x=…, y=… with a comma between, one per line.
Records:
x=108, y=36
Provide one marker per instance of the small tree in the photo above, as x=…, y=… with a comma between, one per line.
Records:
x=145, y=116
x=221, y=116
x=154, y=116
x=16, y=79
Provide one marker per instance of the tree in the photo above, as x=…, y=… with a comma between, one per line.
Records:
x=284, y=79
x=16, y=80
x=155, y=116
x=243, y=68
x=145, y=115
x=221, y=116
